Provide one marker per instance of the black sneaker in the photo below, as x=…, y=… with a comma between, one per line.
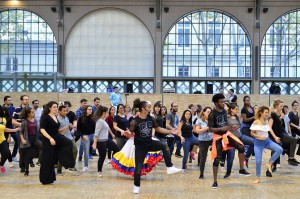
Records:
x=178, y=155
x=72, y=169
x=244, y=172
x=268, y=173
x=292, y=162
x=201, y=176
x=274, y=167
x=31, y=164
x=22, y=170
x=59, y=173
x=226, y=175
x=215, y=185
x=38, y=164
x=26, y=174
x=79, y=159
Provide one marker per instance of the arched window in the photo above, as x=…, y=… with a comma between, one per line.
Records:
x=280, y=54
x=207, y=45
x=27, y=43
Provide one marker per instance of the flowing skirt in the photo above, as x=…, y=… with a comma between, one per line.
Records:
x=124, y=160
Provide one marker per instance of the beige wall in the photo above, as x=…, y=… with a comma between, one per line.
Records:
x=182, y=100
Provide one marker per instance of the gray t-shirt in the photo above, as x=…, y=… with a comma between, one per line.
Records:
x=232, y=122
x=171, y=116
x=205, y=136
x=64, y=121
x=101, y=130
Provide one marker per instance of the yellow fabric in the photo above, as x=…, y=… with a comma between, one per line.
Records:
x=2, y=129
x=129, y=162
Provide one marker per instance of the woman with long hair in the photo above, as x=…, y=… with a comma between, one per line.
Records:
x=29, y=142
x=121, y=125
x=110, y=121
x=204, y=137
x=101, y=140
x=276, y=123
x=86, y=126
x=294, y=119
x=127, y=111
x=259, y=130
x=4, y=150
x=53, y=145
x=185, y=133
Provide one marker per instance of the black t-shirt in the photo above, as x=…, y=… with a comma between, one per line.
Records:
x=143, y=131
x=217, y=119
x=122, y=123
x=160, y=122
x=248, y=114
x=294, y=118
x=86, y=125
x=187, y=130
x=72, y=116
x=50, y=126
x=233, y=98
x=278, y=125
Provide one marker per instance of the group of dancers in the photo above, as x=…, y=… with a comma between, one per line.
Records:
x=140, y=137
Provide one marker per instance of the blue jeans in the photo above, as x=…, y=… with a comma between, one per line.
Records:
x=230, y=157
x=186, y=145
x=86, y=149
x=81, y=148
x=259, y=146
x=248, y=141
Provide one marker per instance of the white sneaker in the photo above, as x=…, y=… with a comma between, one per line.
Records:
x=108, y=162
x=84, y=169
x=253, y=158
x=172, y=169
x=136, y=189
x=10, y=165
x=100, y=174
x=278, y=165
x=223, y=170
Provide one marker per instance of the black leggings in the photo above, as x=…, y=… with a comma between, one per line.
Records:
x=102, y=147
x=233, y=143
x=203, y=147
x=27, y=154
x=4, y=151
x=140, y=155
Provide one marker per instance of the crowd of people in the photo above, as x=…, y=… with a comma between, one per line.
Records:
x=136, y=138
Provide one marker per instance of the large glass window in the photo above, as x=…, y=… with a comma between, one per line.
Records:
x=207, y=44
x=280, y=51
x=27, y=43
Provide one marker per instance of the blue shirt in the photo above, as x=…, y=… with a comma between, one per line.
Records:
x=79, y=112
x=116, y=98
x=11, y=110
x=205, y=136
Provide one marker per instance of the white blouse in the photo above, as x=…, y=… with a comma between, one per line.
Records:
x=261, y=129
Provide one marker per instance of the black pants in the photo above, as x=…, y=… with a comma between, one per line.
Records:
x=4, y=151
x=15, y=136
x=140, y=155
x=233, y=143
x=171, y=141
x=203, y=148
x=35, y=146
x=9, y=156
x=62, y=150
x=102, y=147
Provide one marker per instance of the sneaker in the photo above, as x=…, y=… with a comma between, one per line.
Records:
x=193, y=155
x=90, y=157
x=226, y=175
x=278, y=165
x=244, y=172
x=215, y=185
x=79, y=159
x=274, y=167
x=246, y=161
x=108, y=162
x=172, y=169
x=15, y=159
x=223, y=170
x=84, y=169
x=268, y=173
x=292, y=162
x=59, y=173
x=31, y=164
x=72, y=169
x=184, y=171
x=38, y=164
x=3, y=170
x=136, y=189
x=178, y=155
x=10, y=165
x=100, y=174
x=22, y=170
x=253, y=158
x=201, y=176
